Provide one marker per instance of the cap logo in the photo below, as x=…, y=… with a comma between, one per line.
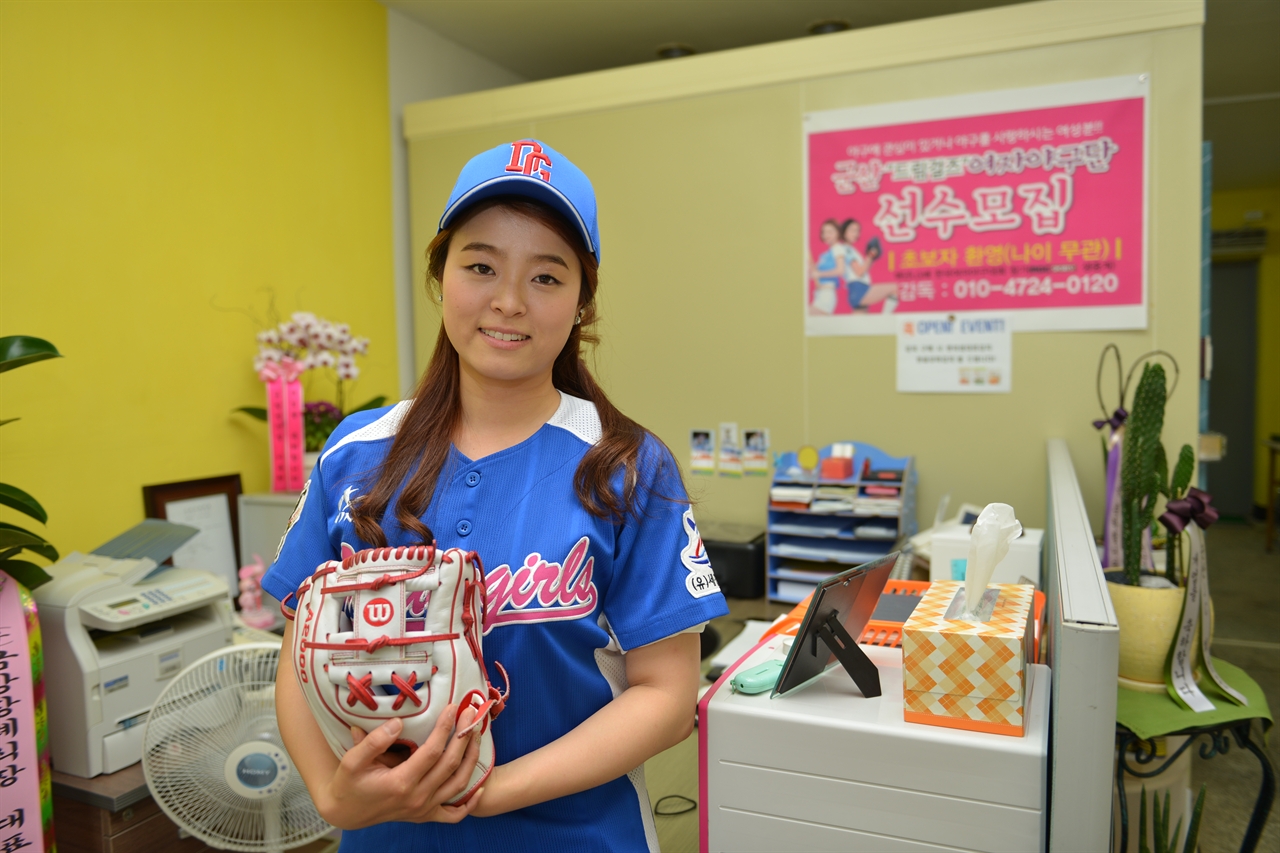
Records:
x=528, y=158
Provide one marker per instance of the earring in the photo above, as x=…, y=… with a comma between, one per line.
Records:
x=440, y=296
x=577, y=320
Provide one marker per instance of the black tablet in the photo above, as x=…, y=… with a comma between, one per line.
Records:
x=838, y=613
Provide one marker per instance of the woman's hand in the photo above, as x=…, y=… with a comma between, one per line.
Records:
x=371, y=785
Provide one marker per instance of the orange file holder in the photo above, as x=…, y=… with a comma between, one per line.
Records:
x=968, y=675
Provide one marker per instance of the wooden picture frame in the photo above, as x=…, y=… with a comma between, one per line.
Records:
x=156, y=497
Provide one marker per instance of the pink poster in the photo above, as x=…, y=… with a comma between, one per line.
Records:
x=1031, y=202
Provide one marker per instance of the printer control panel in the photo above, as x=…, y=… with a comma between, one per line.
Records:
x=171, y=592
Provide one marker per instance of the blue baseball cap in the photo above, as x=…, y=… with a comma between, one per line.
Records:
x=534, y=170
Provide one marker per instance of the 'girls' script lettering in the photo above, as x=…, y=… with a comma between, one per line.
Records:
x=540, y=591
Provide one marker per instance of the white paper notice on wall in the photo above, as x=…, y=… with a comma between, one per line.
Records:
x=212, y=549
x=961, y=353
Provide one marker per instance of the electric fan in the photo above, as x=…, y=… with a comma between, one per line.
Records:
x=214, y=760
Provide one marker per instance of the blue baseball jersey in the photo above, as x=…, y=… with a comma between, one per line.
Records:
x=568, y=594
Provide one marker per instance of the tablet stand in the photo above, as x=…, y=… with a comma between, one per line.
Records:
x=845, y=648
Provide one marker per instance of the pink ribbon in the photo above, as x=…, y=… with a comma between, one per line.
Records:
x=286, y=369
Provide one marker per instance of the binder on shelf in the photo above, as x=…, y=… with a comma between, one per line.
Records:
x=835, y=523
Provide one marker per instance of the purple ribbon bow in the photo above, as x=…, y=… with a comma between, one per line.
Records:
x=1116, y=420
x=1195, y=506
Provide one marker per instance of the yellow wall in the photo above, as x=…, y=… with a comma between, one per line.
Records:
x=1229, y=208
x=697, y=165
x=163, y=166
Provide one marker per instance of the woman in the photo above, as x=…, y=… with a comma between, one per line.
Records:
x=829, y=271
x=511, y=449
x=862, y=294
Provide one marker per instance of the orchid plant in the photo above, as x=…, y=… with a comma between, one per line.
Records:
x=306, y=342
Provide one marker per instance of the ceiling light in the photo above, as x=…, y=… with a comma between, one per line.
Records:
x=834, y=25
x=675, y=50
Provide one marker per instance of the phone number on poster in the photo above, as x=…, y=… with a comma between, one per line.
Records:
x=981, y=288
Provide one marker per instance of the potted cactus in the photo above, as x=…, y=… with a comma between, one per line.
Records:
x=1148, y=605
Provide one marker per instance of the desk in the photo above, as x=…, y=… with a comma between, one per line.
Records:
x=113, y=813
x=826, y=769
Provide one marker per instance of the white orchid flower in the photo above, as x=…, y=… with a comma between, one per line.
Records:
x=347, y=368
x=324, y=358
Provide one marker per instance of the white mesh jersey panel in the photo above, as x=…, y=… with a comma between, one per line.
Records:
x=383, y=427
x=578, y=417
x=614, y=669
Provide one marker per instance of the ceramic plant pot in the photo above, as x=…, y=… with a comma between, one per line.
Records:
x=1148, y=620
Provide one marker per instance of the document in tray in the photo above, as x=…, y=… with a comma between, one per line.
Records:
x=837, y=552
x=806, y=575
x=791, y=494
x=875, y=531
x=819, y=529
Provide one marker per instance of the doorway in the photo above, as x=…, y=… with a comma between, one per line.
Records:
x=1233, y=324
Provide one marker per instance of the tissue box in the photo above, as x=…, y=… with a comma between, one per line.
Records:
x=968, y=675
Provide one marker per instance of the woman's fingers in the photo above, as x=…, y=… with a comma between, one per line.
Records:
x=369, y=746
x=428, y=754
x=458, y=781
x=453, y=814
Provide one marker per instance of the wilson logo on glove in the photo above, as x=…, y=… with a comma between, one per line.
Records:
x=378, y=612
x=364, y=669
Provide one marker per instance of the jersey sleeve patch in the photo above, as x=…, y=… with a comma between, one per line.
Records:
x=701, y=580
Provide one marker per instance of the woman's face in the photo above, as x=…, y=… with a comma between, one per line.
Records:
x=829, y=234
x=851, y=233
x=511, y=288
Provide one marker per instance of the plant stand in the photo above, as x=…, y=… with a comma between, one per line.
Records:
x=1140, y=717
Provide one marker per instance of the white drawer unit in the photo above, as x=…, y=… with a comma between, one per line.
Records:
x=823, y=768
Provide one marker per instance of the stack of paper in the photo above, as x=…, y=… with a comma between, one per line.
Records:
x=834, y=498
x=794, y=496
x=877, y=506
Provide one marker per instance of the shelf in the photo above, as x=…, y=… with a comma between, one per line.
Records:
x=849, y=556
x=785, y=598
x=784, y=573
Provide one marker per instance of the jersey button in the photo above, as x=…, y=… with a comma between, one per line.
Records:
x=464, y=527
x=473, y=478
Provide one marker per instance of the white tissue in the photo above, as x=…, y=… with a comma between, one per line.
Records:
x=993, y=533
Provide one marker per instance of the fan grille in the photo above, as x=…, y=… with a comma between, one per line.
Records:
x=218, y=703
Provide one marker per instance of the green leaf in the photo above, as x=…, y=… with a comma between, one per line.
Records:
x=1182, y=473
x=1193, y=828
x=41, y=547
x=372, y=404
x=15, y=498
x=9, y=421
x=17, y=350
x=28, y=574
x=253, y=412
x=1160, y=823
x=1142, y=823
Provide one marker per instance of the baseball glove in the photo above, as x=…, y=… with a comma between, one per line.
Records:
x=873, y=248
x=395, y=632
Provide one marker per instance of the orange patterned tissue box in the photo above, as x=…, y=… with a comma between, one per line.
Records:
x=964, y=674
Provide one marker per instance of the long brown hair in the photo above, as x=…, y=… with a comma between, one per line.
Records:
x=421, y=446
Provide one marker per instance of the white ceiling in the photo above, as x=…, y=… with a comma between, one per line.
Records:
x=552, y=38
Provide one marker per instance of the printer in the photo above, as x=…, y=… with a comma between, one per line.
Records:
x=115, y=631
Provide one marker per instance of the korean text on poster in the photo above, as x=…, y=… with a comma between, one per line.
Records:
x=1029, y=201
x=955, y=354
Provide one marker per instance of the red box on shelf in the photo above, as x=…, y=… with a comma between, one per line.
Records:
x=837, y=468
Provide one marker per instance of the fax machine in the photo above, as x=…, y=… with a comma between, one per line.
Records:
x=114, y=634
